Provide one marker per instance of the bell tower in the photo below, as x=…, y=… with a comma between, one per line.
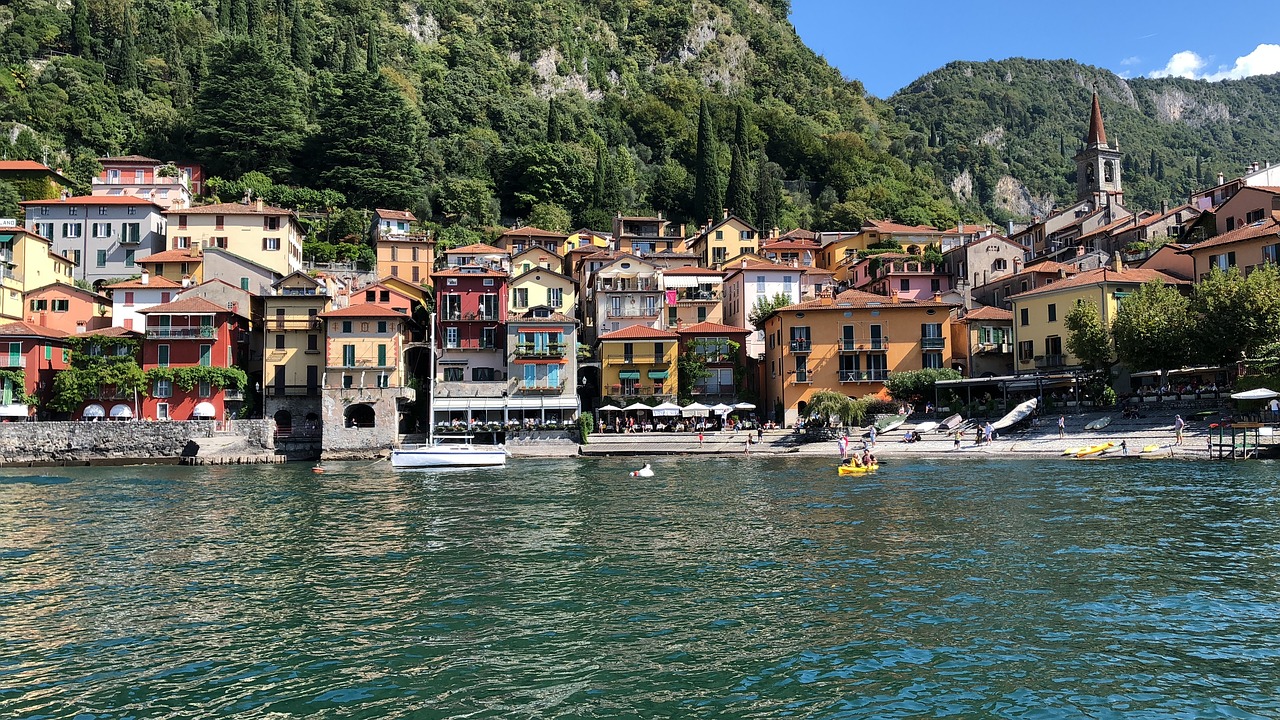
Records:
x=1098, y=164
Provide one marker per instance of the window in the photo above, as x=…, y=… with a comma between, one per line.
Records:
x=384, y=296
x=1053, y=312
x=802, y=368
x=904, y=284
x=39, y=305
x=206, y=355
x=999, y=264
x=522, y=297
x=849, y=367
x=1271, y=254
x=73, y=211
x=206, y=389
x=453, y=374
x=128, y=258
x=369, y=295
x=555, y=297
x=395, y=272
x=760, y=285
x=935, y=285
x=219, y=222
x=181, y=242
x=673, y=316
x=382, y=355
x=72, y=230
x=220, y=242
x=128, y=298
x=346, y=327
x=1253, y=216
x=61, y=305
x=348, y=381
x=489, y=307
x=1223, y=262
x=182, y=222
x=244, y=283
x=134, y=210
x=488, y=282
x=1026, y=350
x=800, y=339
x=482, y=374
x=270, y=223
x=349, y=355
x=1024, y=317
x=162, y=388
x=162, y=411
x=279, y=342
x=382, y=327
x=702, y=313
x=313, y=343
x=101, y=230
x=164, y=297
x=415, y=273
x=1053, y=347
x=452, y=307
x=451, y=338
x=719, y=234
x=44, y=230
x=786, y=285
x=271, y=243
x=931, y=360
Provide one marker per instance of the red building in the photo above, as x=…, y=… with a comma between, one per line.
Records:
x=384, y=296
x=39, y=353
x=191, y=332
x=471, y=306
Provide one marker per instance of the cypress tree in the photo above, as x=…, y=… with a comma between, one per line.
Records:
x=300, y=39
x=369, y=143
x=708, y=194
x=768, y=194
x=81, y=39
x=239, y=17
x=738, y=199
x=1152, y=169
x=349, y=54
x=612, y=182
x=256, y=23
x=224, y=16
x=553, y=122
x=597, y=193
x=282, y=23
x=371, y=60
x=127, y=61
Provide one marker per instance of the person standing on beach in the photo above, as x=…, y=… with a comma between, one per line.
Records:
x=1062, y=426
x=958, y=437
x=1178, y=425
x=873, y=436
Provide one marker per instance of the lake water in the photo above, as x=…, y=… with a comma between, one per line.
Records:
x=727, y=588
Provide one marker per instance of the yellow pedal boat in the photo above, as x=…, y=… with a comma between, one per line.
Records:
x=1095, y=449
x=858, y=469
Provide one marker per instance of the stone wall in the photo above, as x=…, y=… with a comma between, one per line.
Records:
x=342, y=441
x=57, y=443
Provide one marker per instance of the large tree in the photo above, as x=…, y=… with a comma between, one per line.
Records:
x=1235, y=316
x=739, y=196
x=1087, y=338
x=708, y=190
x=248, y=113
x=1152, y=329
x=369, y=143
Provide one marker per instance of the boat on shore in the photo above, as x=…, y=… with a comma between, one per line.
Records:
x=1100, y=423
x=951, y=423
x=1017, y=415
x=925, y=427
x=1095, y=449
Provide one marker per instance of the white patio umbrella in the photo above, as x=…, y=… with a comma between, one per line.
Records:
x=637, y=406
x=1256, y=394
x=744, y=406
x=666, y=409
x=610, y=408
x=694, y=409
x=721, y=409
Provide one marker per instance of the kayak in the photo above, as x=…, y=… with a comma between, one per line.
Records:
x=857, y=469
x=1150, y=448
x=1072, y=451
x=925, y=427
x=1095, y=449
x=1099, y=423
x=950, y=423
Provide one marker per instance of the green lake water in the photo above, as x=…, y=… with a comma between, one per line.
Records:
x=724, y=588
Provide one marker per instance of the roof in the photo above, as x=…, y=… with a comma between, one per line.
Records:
x=113, y=331
x=22, y=329
x=807, y=245
x=986, y=238
x=395, y=215
x=713, y=327
x=1262, y=228
x=639, y=332
x=859, y=299
x=1045, y=266
x=529, y=317
x=886, y=226
x=128, y=159
x=986, y=312
x=1103, y=275
x=531, y=231
x=469, y=271
x=363, y=310
x=230, y=209
x=1097, y=134
x=94, y=200
x=58, y=285
x=185, y=306
x=476, y=249
x=540, y=269
x=23, y=166
x=798, y=234
x=818, y=271
x=154, y=282
x=172, y=256
x=758, y=265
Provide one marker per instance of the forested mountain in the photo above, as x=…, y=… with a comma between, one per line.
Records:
x=560, y=112
x=1003, y=134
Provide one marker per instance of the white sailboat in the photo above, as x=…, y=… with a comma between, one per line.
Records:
x=435, y=453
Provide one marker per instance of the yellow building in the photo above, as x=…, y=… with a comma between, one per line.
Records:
x=849, y=344
x=534, y=257
x=543, y=287
x=1244, y=248
x=638, y=361
x=269, y=236
x=730, y=237
x=293, y=358
x=585, y=238
x=364, y=399
x=692, y=295
x=408, y=257
x=27, y=262
x=1039, y=315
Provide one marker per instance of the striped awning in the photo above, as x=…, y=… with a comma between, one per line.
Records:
x=657, y=374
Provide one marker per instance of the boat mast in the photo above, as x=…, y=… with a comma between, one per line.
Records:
x=431, y=381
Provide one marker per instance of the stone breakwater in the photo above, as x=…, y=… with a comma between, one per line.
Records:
x=122, y=443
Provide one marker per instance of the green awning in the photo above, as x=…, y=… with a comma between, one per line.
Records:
x=6, y=237
x=629, y=375
x=657, y=374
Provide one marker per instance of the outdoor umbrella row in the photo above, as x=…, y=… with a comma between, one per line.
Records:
x=668, y=409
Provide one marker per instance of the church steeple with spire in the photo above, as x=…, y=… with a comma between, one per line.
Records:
x=1098, y=164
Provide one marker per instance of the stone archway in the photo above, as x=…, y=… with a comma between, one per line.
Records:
x=284, y=422
x=359, y=415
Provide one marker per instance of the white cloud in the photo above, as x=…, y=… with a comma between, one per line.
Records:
x=1264, y=60
x=1131, y=60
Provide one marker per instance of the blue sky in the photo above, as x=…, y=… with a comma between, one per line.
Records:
x=887, y=45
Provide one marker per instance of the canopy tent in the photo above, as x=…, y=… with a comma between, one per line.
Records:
x=610, y=408
x=121, y=411
x=1256, y=394
x=694, y=409
x=204, y=411
x=721, y=408
x=93, y=410
x=637, y=406
x=666, y=409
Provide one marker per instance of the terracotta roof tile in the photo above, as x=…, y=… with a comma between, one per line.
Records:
x=113, y=331
x=693, y=270
x=93, y=200
x=1263, y=228
x=23, y=166
x=229, y=209
x=860, y=299
x=529, y=317
x=395, y=215
x=172, y=256
x=531, y=231
x=712, y=327
x=476, y=249
x=128, y=159
x=363, y=310
x=22, y=329
x=639, y=332
x=986, y=312
x=469, y=271
x=185, y=306
x=155, y=281
x=1105, y=275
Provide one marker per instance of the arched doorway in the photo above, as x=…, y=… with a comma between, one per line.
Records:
x=284, y=423
x=359, y=416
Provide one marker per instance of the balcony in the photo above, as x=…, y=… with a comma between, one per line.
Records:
x=459, y=316
x=610, y=286
x=13, y=361
x=1051, y=361
x=847, y=346
x=276, y=325
x=540, y=387
x=994, y=348
x=933, y=343
x=551, y=350
x=199, y=332
x=699, y=296
x=363, y=364
x=470, y=344
x=802, y=345
x=638, y=390
x=862, y=376
x=232, y=395
x=877, y=344
x=130, y=239
x=281, y=391
x=634, y=359
x=640, y=312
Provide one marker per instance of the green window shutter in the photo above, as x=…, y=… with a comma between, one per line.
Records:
x=382, y=356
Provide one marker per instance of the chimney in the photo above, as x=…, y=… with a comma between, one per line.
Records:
x=724, y=212
x=1220, y=178
x=145, y=279
x=1164, y=207
x=1062, y=273
x=1017, y=263
x=1010, y=228
x=257, y=205
x=893, y=297
x=960, y=227
x=777, y=232
x=659, y=214
x=937, y=296
x=194, y=250
x=744, y=263
x=1116, y=263
x=186, y=281
x=1079, y=251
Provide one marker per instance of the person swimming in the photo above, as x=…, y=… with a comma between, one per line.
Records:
x=645, y=471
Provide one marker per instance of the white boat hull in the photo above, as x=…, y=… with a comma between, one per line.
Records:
x=438, y=456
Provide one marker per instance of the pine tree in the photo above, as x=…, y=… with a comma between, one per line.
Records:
x=369, y=143
x=81, y=39
x=708, y=193
x=300, y=39
x=371, y=60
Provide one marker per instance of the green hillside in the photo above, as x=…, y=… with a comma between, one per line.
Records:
x=560, y=112
x=1025, y=119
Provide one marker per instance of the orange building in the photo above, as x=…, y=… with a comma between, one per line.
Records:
x=849, y=344
x=68, y=308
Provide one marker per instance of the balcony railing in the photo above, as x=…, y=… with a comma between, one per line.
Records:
x=552, y=350
x=860, y=376
x=276, y=325
x=1051, y=361
x=633, y=359
x=363, y=364
x=13, y=361
x=640, y=312
x=470, y=344
x=848, y=346
x=699, y=296
x=933, y=343
x=129, y=239
x=990, y=347
x=182, y=333
x=635, y=390
x=540, y=387
x=878, y=343
x=231, y=394
x=279, y=391
x=646, y=286
x=804, y=345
